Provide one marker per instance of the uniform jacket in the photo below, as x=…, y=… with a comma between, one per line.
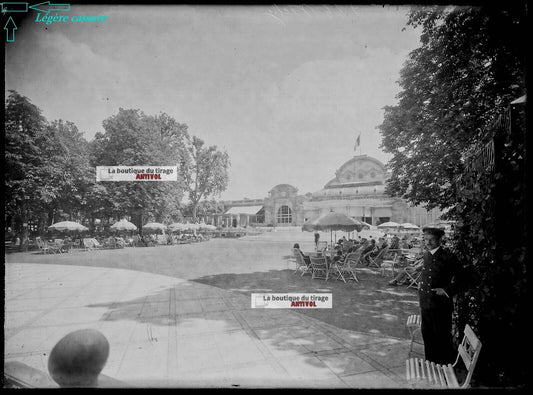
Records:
x=440, y=270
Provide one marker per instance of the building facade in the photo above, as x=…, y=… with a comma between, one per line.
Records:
x=357, y=190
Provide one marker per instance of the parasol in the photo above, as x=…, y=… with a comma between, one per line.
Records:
x=123, y=225
x=333, y=221
x=68, y=226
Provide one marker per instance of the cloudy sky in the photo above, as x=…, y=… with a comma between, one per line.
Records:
x=284, y=90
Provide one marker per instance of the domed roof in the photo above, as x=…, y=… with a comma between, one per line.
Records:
x=361, y=175
x=285, y=187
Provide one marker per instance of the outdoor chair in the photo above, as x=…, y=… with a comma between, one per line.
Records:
x=319, y=267
x=55, y=246
x=414, y=326
x=346, y=269
x=427, y=374
x=44, y=246
x=91, y=243
x=301, y=264
x=410, y=254
x=109, y=242
x=414, y=278
x=375, y=261
x=120, y=242
x=60, y=245
x=87, y=244
x=337, y=268
x=389, y=264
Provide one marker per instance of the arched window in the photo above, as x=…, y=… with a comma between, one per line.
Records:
x=284, y=215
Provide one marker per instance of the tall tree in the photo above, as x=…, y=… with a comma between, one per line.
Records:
x=469, y=66
x=68, y=166
x=24, y=161
x=205, y=170
x=133, y=138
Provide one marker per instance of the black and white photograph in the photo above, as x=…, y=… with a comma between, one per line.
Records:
x=262, y=196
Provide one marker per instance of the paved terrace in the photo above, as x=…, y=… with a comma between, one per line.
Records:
x=180, y=316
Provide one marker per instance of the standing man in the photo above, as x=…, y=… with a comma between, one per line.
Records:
x=317, y=237
x=442, y=277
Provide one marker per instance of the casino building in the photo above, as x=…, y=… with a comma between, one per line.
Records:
x=357, y=190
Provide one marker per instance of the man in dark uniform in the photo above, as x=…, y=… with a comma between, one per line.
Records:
x=442, y=277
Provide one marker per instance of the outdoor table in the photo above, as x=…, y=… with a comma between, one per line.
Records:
x=56, y=245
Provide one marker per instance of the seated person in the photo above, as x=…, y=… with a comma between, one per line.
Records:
x=395, y=243
x=342, y=242
x=146, y=240
x=382, y=243
x=403, y=278
x=339, y=256
x=307, y=260
x=368, y=250
x=353, y=248
x=137, y=240
x=67, y=244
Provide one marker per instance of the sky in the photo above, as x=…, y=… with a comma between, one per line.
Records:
x=284, y=90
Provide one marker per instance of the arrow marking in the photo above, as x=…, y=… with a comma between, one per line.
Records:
x=10, y=28
x=47, y=7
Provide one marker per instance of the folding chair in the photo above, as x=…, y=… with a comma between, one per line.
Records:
x=413, y=278
x=319, y=267
x=301, y=264
x=91, y=243
x=423, y=373
x=346, y=269
x=389, y=264
x=338, y=268
x=376, y=261
x=57, y=246
x=43, y=246
x=48, y=248
x=414, y=326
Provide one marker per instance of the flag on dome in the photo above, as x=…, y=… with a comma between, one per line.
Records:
x=357, y=142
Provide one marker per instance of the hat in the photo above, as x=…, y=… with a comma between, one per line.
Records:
x=437, y=232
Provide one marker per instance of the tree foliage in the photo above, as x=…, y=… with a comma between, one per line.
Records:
x=24, y=133
x=67, y=163
x=133, y=138
x=205, y=170
x=447, y=152
x=47, y=166
x=204, y=208
x=469, y=66
x=492, y=234
x=50, y=168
